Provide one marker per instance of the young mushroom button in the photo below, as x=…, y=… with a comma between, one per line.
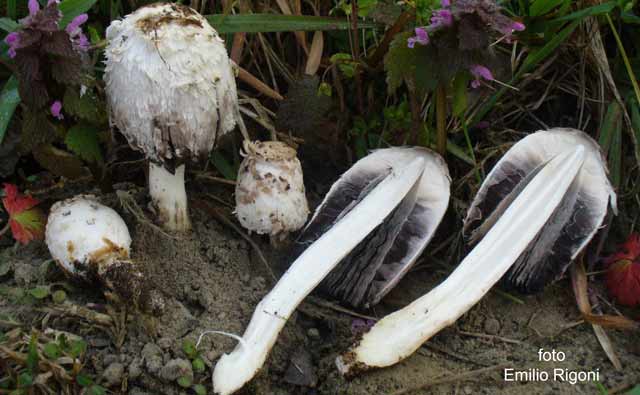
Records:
x=270, y=194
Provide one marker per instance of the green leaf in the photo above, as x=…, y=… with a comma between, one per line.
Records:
x=52, y=350
x=199, y=389
x=589, y=11
x=9, y=100
x=8, y=25
x=39, y=292
x=77, y=348
x=400, y=62
x=263, y=23
x=12, y=9
x=223, y=166
x=198, y=365
x=460, y=84
x=59, y=296
x=185, y=381
x=59, y=162
x=634, y=391
x=72, y=8
x=97, y=390
x=189, y=348
x=541, y=7
x=82, y=140
x=86, y=107
x=25, y=379
x=611, y=141
x=32, y=354
x=635, y=124
x=83, y=381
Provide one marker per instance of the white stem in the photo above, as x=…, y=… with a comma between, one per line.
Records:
x=235, y=369
x=169, y=197
x=399, y=334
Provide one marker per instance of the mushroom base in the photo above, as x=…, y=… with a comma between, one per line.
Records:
x=169, y=197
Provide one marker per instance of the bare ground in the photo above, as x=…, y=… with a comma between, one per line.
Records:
x=212, y=279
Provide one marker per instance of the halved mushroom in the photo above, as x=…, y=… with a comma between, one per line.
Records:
x=573, y=224
x=91, y=243
x=376, y=264
x=380, y=197
x=550, y=191
x=172, y=94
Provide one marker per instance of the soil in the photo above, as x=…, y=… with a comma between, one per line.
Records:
x=212, y=279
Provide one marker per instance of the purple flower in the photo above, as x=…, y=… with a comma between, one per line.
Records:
x=421, y=37
x=445, y=3
x=81, y=42
x=56, y=109
x=359, y=326
x=34, y=7
x=441, y=18
x=13, y=39
x=73, y=28
x=480, y=72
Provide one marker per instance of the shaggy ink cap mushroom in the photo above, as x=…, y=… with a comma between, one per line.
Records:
x=91, y=243
x=172, y=93
x=270, y=193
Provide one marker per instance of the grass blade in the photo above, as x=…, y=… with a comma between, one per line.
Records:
x=599, y=9
x=9, y=99
x=263, y=23
x=72, y=8
x=8, y=25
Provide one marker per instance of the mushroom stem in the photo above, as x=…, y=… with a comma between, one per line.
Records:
x=234, y=370
x=169, y=197
x=399, y=334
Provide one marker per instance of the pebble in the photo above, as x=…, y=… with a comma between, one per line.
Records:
x=25, y=274
x=135, y=368
x=165, y=343
x=313, y=333
x=468, y=390
x=176, y=368
x=109, y=359
x=112, y=375
x=152, y=355
x=492, y=326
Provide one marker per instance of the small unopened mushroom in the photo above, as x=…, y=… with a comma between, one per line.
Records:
x=270, y=195
x=534, y=213
x=172, y=93
x=91, y=242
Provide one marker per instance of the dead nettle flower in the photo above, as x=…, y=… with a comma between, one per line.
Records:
x=172, y=93
x=479, y=73
x=42, y=50
x=56, y=110
x=469, y=23
x=91, y=243
x=270, y=194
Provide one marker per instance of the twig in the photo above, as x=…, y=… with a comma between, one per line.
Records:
x=5, y=229
x=490, y=337
x=325, y=303
x=258, y=85
x=451, y=379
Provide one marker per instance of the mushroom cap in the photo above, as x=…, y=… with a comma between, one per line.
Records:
x=82, y=234
x=270, y=194
x=170, y=84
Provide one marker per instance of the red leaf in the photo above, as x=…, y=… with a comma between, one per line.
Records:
x=623, y=274
x=26, y=220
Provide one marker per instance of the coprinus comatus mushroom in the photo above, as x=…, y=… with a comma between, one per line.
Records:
x=270, y=194
x=172, y=94
x=381, y=196
x=535, y=212
x=91, y=243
